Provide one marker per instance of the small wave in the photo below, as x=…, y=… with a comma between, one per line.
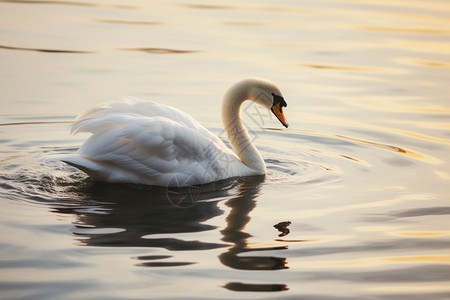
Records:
x=45, y=50
x=344, y=139
x=52, y=2
x=28, y=177
x=66, y=3
x=160, y=50
x=208, y=6
x=299, y=172
x=342, y=68
x=127, y=22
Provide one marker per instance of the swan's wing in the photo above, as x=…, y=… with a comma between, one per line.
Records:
x=135, y=107
x=156, y=150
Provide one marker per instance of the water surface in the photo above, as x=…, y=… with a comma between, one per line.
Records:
x=362, y=173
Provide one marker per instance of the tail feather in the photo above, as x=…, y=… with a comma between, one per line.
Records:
x=85, y=164
x=98, y=170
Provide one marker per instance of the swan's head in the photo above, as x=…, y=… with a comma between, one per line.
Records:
x=267, y=94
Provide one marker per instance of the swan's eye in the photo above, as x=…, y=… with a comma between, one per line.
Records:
x=278, y=99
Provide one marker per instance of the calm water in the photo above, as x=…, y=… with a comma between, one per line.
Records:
x=362, y=173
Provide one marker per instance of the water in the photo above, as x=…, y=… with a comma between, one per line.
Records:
x=362, y=173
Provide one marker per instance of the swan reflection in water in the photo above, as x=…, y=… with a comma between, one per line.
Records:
x=237, y=219
x=129, y=215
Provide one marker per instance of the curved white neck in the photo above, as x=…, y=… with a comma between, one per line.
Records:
x=236, y=132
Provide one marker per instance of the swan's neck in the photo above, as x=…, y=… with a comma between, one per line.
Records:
x=236, y=132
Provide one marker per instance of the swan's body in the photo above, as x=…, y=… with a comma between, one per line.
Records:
x=155, y=144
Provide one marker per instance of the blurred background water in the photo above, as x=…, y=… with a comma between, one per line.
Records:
x=362, y=173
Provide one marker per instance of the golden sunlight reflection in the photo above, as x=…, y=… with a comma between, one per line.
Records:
x=434, y=125
x=393, y=103
x=442, y=174
x=436, y=47
x=422, y=258
x=374, y=261
x=432, y=47
x=405, y=30
x=415, y=4
x=391, y=148
x=410, y=153
x=383, y=228
x=430, y=63
x=410, y=288
x=372, y=204
x=424, y=234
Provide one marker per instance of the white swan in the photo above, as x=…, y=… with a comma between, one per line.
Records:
x=155, y=144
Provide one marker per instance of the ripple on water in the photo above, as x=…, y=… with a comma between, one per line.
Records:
x=298, y=172
x=288, y=160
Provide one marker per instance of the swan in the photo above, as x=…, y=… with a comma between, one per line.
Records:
x=143, y=142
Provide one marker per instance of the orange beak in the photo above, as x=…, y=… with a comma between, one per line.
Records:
x=277, y=110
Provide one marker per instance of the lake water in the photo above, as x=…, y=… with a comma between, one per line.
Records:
x=362, y=174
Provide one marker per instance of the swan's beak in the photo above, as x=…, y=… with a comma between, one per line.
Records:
x=277, y=110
